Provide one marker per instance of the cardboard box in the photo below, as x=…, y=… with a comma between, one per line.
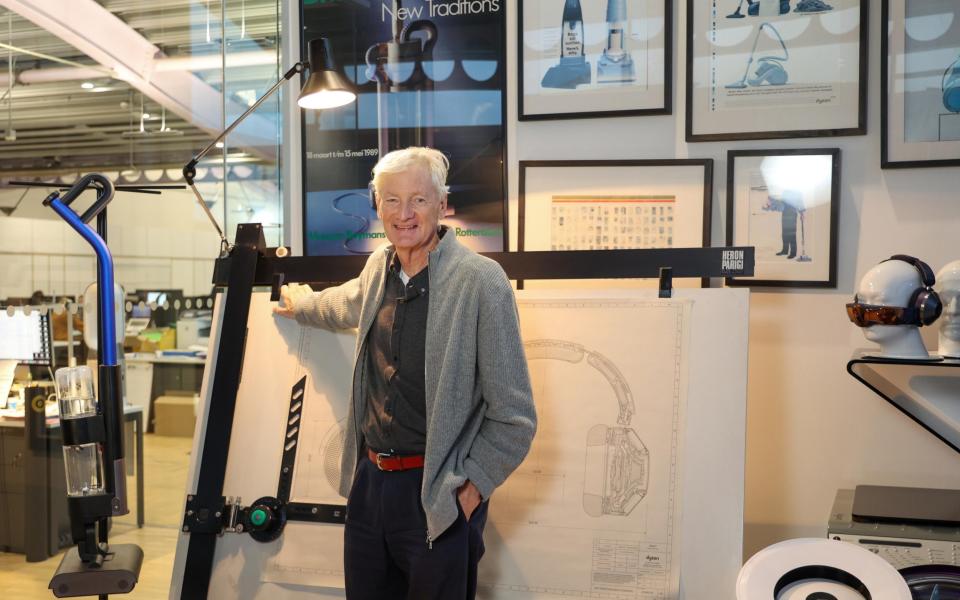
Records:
x=174, y=415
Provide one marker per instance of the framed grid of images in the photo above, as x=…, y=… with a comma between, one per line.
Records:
x=615, y=204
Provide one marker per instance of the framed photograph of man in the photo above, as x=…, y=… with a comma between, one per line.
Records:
x=594, y=58
x=764, y=69
x=920, y=71
x=785, y=203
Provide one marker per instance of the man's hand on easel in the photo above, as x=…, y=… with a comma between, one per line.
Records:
x=290, y=294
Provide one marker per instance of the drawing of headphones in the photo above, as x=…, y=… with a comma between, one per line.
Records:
x=617, y=470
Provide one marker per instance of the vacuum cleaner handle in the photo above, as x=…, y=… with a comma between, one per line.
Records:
x=104, y=189
x=786, y=53
x=61, y=206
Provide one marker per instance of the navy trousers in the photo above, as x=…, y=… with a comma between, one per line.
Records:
x=386, y=552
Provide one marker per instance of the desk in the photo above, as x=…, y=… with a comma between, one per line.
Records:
x=33, y=492
x=149, y=376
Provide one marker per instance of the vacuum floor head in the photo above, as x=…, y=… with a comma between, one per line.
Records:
x=613, y=71
x=567, y=75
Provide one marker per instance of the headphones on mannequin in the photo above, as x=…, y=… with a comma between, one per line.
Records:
x=616, y=457
x=923, y=307
x=924, y=300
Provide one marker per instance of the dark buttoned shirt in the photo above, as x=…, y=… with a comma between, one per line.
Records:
x=395, y=418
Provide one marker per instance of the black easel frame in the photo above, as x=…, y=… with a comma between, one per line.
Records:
x=250, y=263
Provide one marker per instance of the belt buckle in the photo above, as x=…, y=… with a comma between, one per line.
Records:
x=381, y=456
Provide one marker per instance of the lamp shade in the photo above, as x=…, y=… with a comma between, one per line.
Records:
x=325, y=88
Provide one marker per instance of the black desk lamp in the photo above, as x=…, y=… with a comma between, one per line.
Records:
x=324, y=88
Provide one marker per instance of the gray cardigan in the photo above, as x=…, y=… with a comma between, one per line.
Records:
x=479, y=403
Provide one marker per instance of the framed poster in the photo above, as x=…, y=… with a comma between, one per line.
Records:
x=594, y=59
x=428, y=73
x=920, y=71
x=762, y=69
x=615, y=204
x=785, y=203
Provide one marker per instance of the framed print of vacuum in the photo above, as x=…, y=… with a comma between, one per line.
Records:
x=785, y=203
x=763, y=69
x=614, y=204
x=920, y=71
x=594, y=58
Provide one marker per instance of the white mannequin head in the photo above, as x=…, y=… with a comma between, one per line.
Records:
x=892, y=283
x=948, y=286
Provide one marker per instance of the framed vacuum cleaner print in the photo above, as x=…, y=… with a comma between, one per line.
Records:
x=594, y=58
x=762, y=69
x=785, y=203
x=920, y=70
x=614, y=204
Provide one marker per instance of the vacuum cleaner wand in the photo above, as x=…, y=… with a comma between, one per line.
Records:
x=742, y=82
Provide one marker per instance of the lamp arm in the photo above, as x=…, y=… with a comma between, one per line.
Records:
x=190, y=169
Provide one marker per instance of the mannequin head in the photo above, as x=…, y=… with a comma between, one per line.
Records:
x=893, y=283
x=948, y=280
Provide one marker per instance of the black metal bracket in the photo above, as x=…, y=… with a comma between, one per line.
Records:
x=666, y=282
x=290, y=438
x=198, y=518
x=275, y=287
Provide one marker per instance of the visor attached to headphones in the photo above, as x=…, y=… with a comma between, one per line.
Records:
x=866, y=315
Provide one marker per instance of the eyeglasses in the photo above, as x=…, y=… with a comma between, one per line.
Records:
x=865, y=315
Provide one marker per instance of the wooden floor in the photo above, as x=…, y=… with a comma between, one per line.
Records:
x=165, y=474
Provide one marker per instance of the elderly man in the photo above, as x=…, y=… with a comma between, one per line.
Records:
x=442, y=410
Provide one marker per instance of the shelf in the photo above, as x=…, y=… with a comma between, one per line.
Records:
x=926, y=391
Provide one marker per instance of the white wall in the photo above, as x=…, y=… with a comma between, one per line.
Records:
x=160, y=241
x=811, y=427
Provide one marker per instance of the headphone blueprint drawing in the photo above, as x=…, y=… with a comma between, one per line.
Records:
x=617, y=471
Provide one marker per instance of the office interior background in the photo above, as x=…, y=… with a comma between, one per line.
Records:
x=811, y=429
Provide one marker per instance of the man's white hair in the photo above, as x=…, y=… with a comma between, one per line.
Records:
x=399, y=161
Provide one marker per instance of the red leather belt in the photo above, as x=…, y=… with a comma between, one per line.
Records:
x=393, y=462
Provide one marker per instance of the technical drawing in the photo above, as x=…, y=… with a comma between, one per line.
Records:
x=573, y=353
x=618, y=463
x=593, y=510
x=332, y=452
x=624, y=464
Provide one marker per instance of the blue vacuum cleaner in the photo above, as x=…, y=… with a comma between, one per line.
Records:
x=93, y=437
x=573, y=69
x=753, y=9
x=769, y=70
x=616, y=64
x=950, y=86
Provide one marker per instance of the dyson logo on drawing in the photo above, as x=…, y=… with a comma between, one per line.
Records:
x=438, y=8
